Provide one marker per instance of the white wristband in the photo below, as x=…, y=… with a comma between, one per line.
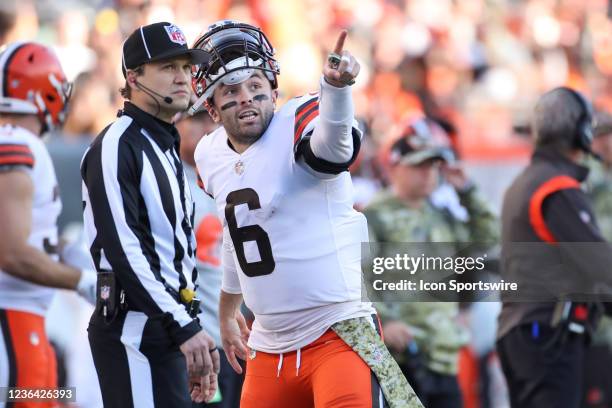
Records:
x=87, y=285
x=336, y=104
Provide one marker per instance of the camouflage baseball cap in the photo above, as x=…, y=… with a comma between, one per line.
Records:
x=417, y=145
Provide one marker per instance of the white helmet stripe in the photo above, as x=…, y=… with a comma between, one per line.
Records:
x=58, y=87
x=5, y=54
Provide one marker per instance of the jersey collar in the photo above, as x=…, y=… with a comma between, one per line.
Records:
x=575, y=170
x=164, y=133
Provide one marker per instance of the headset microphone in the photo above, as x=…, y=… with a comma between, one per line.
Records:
x=166, y=99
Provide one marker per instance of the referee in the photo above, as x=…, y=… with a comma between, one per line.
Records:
x=147, y=346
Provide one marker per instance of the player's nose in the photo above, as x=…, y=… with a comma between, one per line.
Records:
x=246, y=96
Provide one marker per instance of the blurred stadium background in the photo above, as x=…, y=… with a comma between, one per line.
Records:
x=475, y=65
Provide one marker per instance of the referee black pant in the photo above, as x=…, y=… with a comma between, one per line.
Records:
x=138, y=366
x=542, y=367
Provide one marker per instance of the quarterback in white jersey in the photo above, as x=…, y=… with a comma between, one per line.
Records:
x=32, y=100
x=292, y=240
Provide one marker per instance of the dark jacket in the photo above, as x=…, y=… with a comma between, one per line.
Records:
x=551, y=245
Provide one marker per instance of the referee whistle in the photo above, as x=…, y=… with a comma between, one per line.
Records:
x=187, y=295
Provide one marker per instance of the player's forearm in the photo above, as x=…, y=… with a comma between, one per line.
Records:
x=30, y=264
x=229, y=305
x=332, y=139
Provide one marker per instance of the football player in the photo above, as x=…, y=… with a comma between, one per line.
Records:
x=33, y=99
x=292, y=241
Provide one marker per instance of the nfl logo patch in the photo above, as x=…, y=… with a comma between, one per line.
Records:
x=175, y=34
x=104, y=292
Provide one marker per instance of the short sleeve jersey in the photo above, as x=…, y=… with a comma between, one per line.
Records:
x=20, y=150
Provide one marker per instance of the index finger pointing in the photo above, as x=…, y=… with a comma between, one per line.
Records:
x=340, y=42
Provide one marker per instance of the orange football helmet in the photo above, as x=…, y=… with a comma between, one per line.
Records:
x=32, y=81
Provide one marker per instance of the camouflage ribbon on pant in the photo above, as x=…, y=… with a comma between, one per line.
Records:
x=362, y=337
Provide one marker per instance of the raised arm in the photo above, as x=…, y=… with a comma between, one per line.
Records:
x=331, y=141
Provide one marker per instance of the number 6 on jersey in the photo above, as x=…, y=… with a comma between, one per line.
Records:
x=241, y=235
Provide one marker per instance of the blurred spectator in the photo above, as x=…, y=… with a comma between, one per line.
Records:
x=598, y=358
x=7, y=20
x=425, y=337
x=600, y=179
x=133, y=13
x=90, y=108
x=25, y=25
x=71, y=43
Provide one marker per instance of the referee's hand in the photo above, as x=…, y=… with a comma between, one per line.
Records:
x=200, y=360
x=203, y=389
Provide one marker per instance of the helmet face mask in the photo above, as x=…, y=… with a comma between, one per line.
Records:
x=33, y=82
x=236, y=49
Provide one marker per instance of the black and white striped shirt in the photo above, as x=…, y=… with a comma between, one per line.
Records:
x=138, y=213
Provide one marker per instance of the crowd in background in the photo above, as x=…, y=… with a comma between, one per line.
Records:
x=475, y=66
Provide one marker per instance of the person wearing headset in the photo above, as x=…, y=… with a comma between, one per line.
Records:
x=553, y=249
x=146, y=341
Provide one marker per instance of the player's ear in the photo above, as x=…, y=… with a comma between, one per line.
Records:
x=274, y=96
x=212, y=111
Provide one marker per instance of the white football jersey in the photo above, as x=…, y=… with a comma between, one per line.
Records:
x=22, y=149
x=294, y=238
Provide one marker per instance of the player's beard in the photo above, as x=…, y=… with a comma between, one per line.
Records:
x=249, y=134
